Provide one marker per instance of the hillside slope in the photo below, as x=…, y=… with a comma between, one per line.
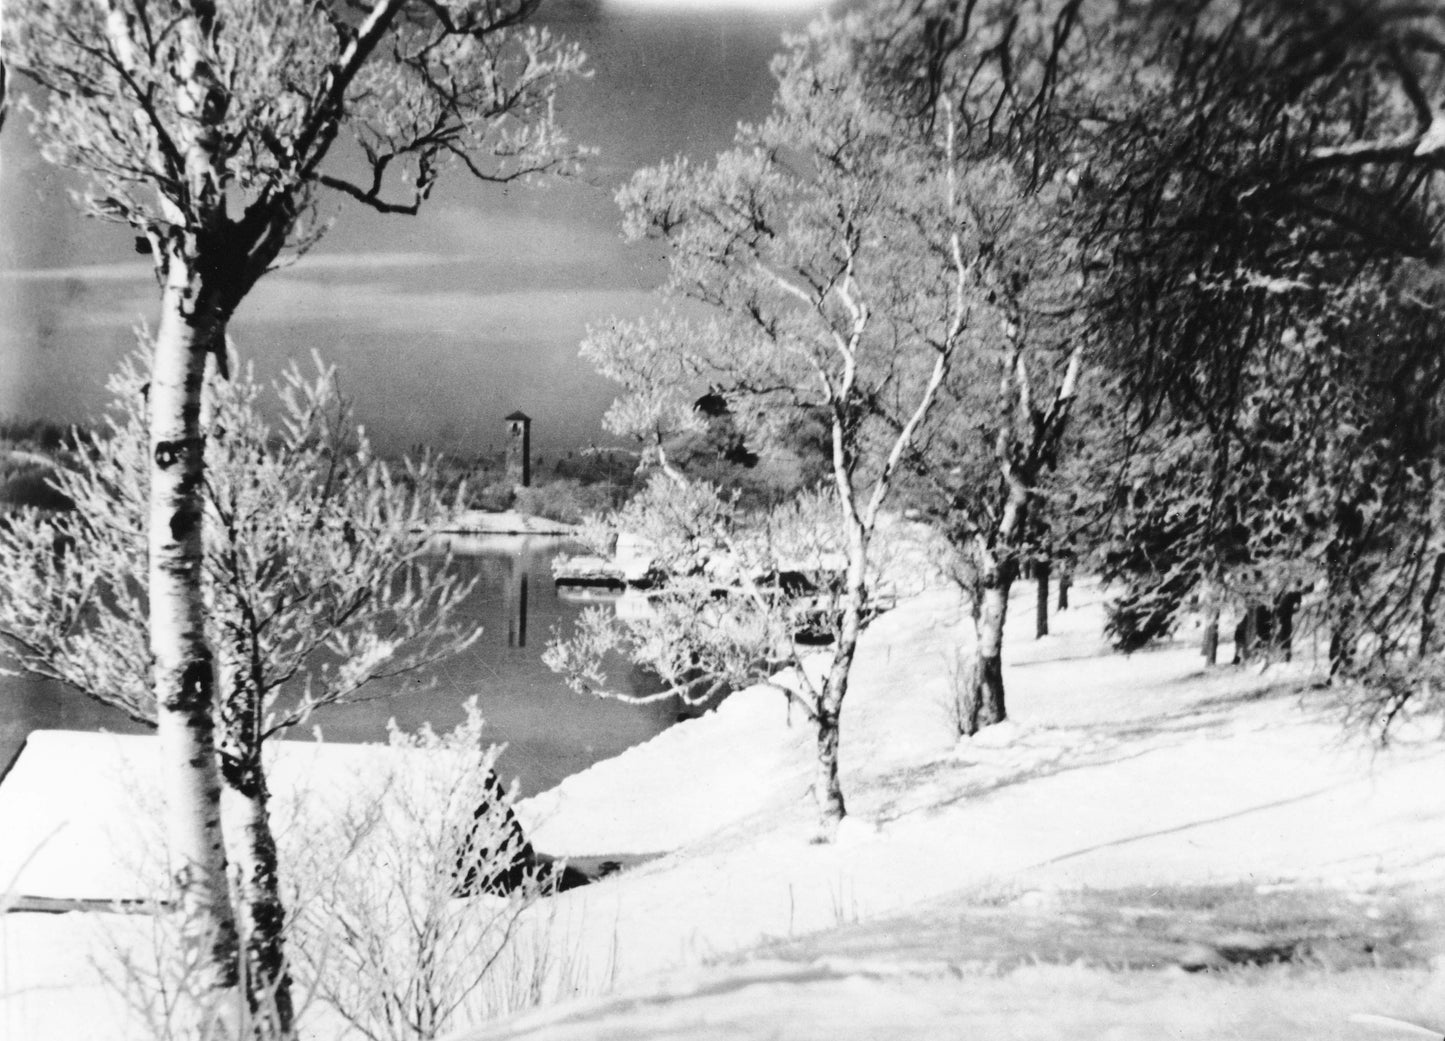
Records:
x=1144, y=772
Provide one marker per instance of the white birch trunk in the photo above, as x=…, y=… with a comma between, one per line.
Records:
x=988, y=705
x=251, y=848
x=184, y=665
x=827, y=786
x=996, y=562
x=260, y=913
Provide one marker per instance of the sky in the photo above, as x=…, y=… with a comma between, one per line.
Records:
x=443, y=323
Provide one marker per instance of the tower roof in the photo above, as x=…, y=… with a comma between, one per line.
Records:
x=518, y=415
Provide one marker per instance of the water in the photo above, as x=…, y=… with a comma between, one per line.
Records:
x=550, y=732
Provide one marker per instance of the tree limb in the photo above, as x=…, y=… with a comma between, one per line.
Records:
x=370, y=197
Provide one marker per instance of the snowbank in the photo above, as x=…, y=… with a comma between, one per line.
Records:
x=80, y=812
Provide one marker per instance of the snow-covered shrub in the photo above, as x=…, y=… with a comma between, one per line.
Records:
x=383, y=936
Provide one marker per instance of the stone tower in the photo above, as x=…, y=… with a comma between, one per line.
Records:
x=519, y=450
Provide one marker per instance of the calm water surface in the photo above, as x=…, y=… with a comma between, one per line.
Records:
x=549, y=731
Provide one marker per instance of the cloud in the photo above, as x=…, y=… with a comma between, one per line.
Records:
x=434, y=365
x=444, y=366
x=579, y=233
x=519, y=313
x=448, y=296
x=370, y=261
x=123, y=271
x=141, y=271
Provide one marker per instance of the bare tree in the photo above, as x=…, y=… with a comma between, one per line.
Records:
x=984, y=460
x=209, y=128
x=314, y=575
x=1001, y=76
x=989, y=514
x=837, y=266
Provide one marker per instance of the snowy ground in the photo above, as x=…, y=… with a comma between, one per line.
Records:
x=1114, y=772
x=764, y=1001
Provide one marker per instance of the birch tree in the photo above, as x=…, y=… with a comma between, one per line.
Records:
x=1000, y=77
x=210, y=129
x=836, y=268
x=313, y=572
x=984, y=462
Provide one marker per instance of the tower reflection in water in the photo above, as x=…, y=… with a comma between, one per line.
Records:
x=516, y=598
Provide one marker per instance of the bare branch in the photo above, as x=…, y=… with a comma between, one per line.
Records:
x=314, y=140
x=1426, y=148
x=371, y=197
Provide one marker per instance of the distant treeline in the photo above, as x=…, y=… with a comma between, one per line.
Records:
x=25, y=445
x=566, y=487
x=38, y=434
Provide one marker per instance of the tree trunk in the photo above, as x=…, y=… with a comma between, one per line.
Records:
x=1427, y=606
x=1342, y=556
x=1246, y=635
x=1209, y=640
x=1209, y=644
x=260, y=912
x=828, y=707
x=1066, y=579
x=1282, y=633
x=1343, y=629
x=184, y=665
x=1041, y=608
x=996, y=565
x=827, y=787
x=191, y=327
x=984, y=694
x=250, y=843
